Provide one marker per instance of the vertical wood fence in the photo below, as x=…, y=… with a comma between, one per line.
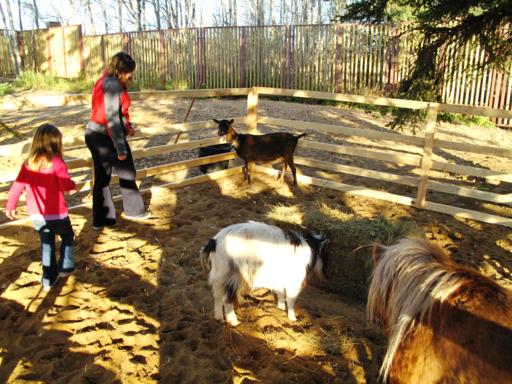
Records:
x=344, y=58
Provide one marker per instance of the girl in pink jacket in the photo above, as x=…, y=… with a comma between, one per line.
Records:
x=44, y=177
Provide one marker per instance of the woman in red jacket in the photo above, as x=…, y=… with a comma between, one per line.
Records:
x=106, y=139
x=45, y=178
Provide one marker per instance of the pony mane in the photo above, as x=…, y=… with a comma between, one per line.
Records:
x=407, y=281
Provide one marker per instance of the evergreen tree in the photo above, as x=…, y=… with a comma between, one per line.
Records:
x=441, y=22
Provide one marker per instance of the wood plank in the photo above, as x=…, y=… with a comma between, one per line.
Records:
x=351, y=189
x=488, y=174
x=24, y=146
x=154, y=190
x=59, y=100
x=252, y=111
x=137, y=153
x=341, y=130
x=426, y=159
x=474, y=148
x=386, y=101
x=411, y=181
x=397, y=157
x=404, y=159
x=171, y=148
x=468, y=214
x=356, y=171
x=393, y=198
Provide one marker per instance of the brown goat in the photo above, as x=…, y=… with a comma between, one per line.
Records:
x=261, y=148
x=445, y=323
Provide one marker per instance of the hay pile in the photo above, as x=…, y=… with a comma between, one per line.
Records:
x=351, y=238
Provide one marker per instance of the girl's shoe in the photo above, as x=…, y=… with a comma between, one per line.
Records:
x=47, y=285
x=65, y=273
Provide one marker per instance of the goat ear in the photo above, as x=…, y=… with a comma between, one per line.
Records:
x=378, y=250
x=217, y=121
x=231, y=121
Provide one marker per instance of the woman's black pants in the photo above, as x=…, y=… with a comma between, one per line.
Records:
x=104, y=156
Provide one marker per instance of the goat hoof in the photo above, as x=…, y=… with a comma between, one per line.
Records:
x=233, y=323
x=281, y=306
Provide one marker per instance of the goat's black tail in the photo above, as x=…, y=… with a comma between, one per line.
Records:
x=301, y=135
x=204, y=254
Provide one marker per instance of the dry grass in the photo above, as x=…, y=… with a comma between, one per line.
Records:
x=351, y=240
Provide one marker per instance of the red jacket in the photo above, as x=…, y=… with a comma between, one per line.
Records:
x=109, y=114
x=45, y=190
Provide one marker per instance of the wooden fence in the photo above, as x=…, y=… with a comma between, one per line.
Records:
x=344, y=58
x=423, y=163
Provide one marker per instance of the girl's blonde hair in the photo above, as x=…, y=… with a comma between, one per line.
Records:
x=46, y=144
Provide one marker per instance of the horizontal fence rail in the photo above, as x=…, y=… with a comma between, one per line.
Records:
x=343, y=58
x=423, y=162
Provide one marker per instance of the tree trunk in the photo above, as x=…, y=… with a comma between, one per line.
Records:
x=180, y=13
x=91, y=19
x=139, y=15
x=105, y=17
x=13, y=41
x=19, y=15
x=156, y=5
x=36, y=14
x=168, y=13
x=235, y=16
x=120, y=14
x=144, y=18
x=73, y=12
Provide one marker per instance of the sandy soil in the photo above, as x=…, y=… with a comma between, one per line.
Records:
x=139, y=309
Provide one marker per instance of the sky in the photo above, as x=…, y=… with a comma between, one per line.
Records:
x=55, y=10
x=49, y=10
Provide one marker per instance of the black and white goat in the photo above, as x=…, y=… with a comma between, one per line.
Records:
x=252, y=255
x=261, y=148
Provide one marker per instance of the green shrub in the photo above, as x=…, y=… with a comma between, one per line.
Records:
x=470, y=120
x=5, y=88
x=30, y=80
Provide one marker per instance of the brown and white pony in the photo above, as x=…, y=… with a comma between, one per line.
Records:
x=445, y=323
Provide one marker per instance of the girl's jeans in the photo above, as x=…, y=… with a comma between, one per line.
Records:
x=47, y=231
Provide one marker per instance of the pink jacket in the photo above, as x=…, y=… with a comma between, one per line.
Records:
x=45, y=190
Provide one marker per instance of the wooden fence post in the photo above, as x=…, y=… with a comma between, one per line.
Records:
x=201, y=57
x=49, y=50
x=64, y=52
x=81, y=50
x=163, y=60
x=20, y=40
x=392, y=58
x=337, y=64
x=127, y=43
x=243, y=57
x=285, y=63
x=426, y=160
x=252, y=110
x=102, y=47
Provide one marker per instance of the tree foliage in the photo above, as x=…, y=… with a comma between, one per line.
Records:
x=441, y=22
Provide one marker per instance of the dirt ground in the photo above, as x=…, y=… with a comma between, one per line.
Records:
x=139, y=309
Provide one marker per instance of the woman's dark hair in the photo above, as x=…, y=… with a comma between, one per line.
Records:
x=121, y=63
